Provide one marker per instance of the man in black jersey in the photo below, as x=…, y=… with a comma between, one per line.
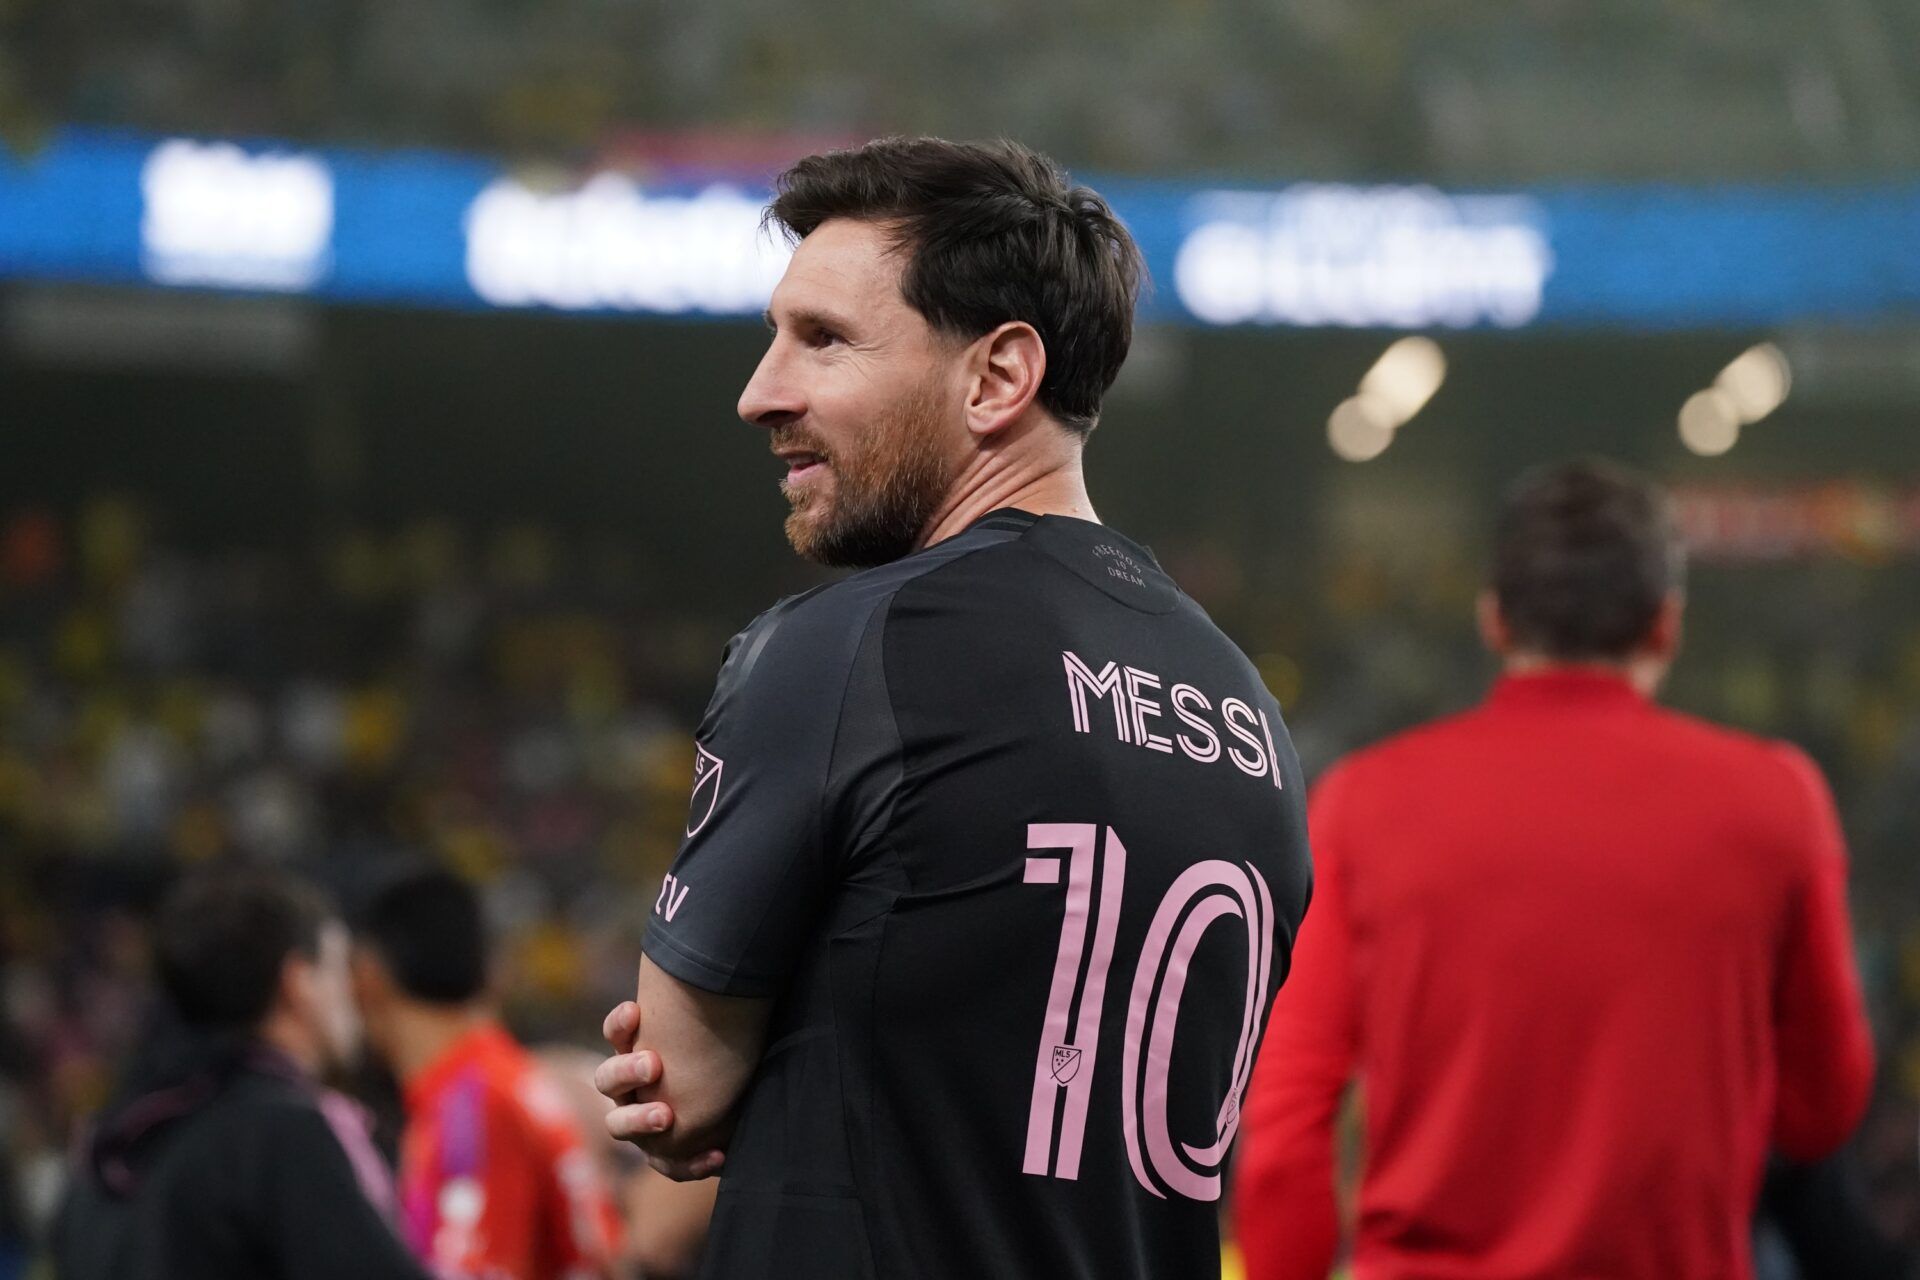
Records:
x=996, y=850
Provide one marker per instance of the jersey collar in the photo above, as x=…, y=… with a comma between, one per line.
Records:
x=1020, y=519
x=1006, y=518
x=1564, y=686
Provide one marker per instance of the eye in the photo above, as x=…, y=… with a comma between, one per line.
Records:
x=825, y=338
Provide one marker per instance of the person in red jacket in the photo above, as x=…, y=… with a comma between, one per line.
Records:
x=496, y=1181
x=1588, y=959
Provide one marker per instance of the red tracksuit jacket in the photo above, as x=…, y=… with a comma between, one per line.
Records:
x=495, y=1182
x=1588, y=960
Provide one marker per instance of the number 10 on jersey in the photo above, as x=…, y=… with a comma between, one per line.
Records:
x=1064, y=1066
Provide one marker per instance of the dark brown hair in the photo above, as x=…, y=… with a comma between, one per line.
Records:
x=1584, y=554
x=224, y=937
x=993, y=232
x=427, y=925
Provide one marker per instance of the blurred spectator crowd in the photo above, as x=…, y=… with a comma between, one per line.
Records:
x=383, y=696
x=510, y=701
x=1314, y=89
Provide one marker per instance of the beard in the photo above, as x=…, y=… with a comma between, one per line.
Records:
x=885, y=491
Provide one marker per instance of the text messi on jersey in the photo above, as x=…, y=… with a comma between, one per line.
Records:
x=1136, y=700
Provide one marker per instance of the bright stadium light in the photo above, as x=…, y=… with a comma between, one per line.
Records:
x=214, y=214
x=1710, y=422
x=1404, y=378
x=1756, y=382
x=1398, y=386
x=1357, y=432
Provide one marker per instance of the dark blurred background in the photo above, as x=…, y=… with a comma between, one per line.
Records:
x=321, y=567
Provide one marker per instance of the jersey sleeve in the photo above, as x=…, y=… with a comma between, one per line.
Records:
x=1285, y=1213
x=757, y=868
x=1825, y=1043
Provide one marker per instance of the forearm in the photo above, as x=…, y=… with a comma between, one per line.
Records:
x=668, y=1223
x=708, y=1047
x=1823, y=1039
x=1287, y=1222
x=1285, y=1211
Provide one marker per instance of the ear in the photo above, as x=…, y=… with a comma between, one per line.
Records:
x=1004, y=372
x=1663, y=637
x=299, y=983
x=1493, y=627
x=370, y=982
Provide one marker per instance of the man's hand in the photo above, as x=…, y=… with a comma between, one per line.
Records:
x=626, y=1079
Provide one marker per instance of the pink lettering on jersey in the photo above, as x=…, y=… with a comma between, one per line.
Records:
x=1078, y=838
x=1073, y=1129
x=1214, y=889
x=1081, y=681
x=673, y=892
x=1132, y=691
x=1254, y=763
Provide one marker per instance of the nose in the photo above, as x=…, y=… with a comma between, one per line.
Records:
x=771, y=398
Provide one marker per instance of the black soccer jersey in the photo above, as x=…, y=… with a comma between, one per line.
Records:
x=1017, y=838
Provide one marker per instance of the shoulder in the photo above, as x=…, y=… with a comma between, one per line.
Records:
x=267, y=1101
x=1395, y=755
x=1768, y=790
x=1736, y=756
x=283, y=1116
x=1690, y=743
x=513, y=1095
x=824, y=627
x=858, y=595
x=531, y=1098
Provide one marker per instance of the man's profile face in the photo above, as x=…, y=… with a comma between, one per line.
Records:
x=373, y=997
x=321, y=994
x=861, y=399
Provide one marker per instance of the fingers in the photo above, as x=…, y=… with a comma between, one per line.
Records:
x=622, y=1026
x=701, y=1166
x=639, y=1120
x=618, y=1077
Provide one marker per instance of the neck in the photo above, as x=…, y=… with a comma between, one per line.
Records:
x=286, y=1033
x=1644, y=671
x=1033, y=466
x=422, y=1032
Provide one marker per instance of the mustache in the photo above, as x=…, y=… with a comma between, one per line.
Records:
x=798, y=437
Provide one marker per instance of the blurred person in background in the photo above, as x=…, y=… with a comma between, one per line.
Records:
x=1590, y=959
x=880, y=939
x=496, y=1182
x=1816, y=1224
x=664, y=1222
x=223, y=1155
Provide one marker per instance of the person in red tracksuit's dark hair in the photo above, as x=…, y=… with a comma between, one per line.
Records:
x=496, y=1180
x=1588, y=959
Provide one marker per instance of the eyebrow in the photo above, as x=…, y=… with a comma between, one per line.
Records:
x=807, y=317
